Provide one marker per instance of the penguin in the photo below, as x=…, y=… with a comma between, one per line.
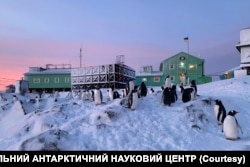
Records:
x=69, y=95
x=97, y=96
x=188, y=95
x=143, y=90
x=116, y=94
x=43, y=95
x=173, y=94
x=231, y=126
x=92, y=95
x=79, y=95
x=151, y=90
x=14, y=98
x=123, y=93
x=37, y=104
x=110, y=94
x=166, y=96
x=56, y=95
x=193, y=85
x=167, y=83
x=129, y=87
x=219, y=111
x=181, y=87
x=133, y=99
x=87, y=95
x=84, y=95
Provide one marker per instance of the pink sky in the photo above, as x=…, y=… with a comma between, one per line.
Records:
x=36, y=33
x=20, y=54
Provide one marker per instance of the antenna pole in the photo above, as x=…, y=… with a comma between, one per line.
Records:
x=80, y=57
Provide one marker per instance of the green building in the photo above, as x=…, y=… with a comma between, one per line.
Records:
x=182, y=68
x=49, y=79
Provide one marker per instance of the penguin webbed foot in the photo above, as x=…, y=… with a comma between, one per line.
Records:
x=232, y=139
x=219, y=123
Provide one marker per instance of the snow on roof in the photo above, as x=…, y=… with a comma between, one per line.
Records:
x=153, y=73
x=51, y=71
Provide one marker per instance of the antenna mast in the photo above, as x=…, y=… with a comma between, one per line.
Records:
x=80, y=57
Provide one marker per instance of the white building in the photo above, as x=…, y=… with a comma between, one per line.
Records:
x=244, y=49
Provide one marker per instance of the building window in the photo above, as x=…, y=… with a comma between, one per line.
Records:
x=67, y=80
x=172, y=78
x=46, y=80
x=146, y=69
x=56, y=80
x=144, y=79
x=156, y=79
x=192, y=66
x=171, y=67
x=36, y=80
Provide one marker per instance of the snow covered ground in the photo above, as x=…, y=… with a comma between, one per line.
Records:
x=77, y=124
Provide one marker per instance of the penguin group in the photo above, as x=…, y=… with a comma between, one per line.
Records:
x=113, y=93
x=230, y=125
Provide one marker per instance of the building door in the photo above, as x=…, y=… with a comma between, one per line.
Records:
x=183, y=78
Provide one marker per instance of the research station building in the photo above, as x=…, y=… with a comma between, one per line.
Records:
x=181, y=68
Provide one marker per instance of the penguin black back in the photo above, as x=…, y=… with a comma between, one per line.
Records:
x=143, y=90
x=166, y=96
x=221, y=111
x=173, y=94
x=186, y=95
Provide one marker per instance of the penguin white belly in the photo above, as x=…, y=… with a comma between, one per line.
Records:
x=216, y=111
x=97, y=97
x=134, y=100
x=110, y=94
x=84, y=95
x=79, y=96
x=192, y=95
x=131, y=87
x=230, y=128
x=88, y=96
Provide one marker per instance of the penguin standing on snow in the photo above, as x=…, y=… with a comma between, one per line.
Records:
x=166, y=96
x=14, y=98
x=97, y=96
x=129, y=88
x=188, y=95
x=84, y=95
x=116, y=94
x=219, y=111
x=133, y=99
x=143, y=90
x=173, y=94
x=152, y=90
x=231, y=126
x=110, y=94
